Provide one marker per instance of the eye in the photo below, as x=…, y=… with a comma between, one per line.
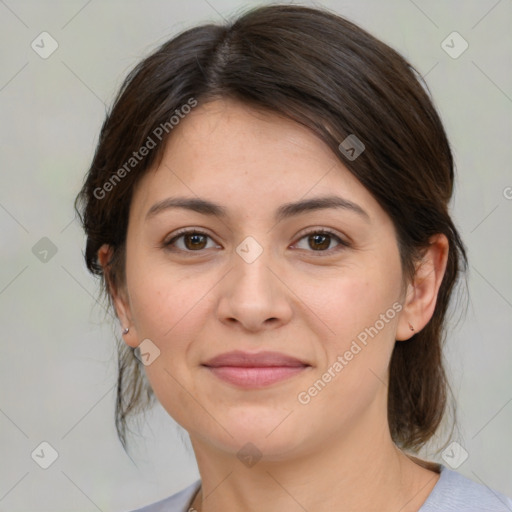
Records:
x=321, y=241
x=190, y=240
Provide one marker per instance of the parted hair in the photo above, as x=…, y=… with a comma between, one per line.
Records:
x=333, y=77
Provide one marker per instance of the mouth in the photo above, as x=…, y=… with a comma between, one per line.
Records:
x=253, y=371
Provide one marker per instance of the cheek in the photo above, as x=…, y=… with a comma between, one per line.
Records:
x=171, y=312
x=362, y=310
x=357, y=301
x=166, y=306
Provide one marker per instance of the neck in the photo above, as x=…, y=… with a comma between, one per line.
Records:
x=337, y=474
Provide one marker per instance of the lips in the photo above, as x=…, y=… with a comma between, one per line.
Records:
x=254, y=370
x=247, y=360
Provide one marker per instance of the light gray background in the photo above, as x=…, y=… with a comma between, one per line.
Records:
x=57, y=363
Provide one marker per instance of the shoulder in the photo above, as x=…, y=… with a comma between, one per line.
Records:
x=454, y=492
x=179, y=502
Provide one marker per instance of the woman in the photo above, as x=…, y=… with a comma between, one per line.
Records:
x=267, y=209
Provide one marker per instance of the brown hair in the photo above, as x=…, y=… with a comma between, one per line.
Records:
x=326, y=73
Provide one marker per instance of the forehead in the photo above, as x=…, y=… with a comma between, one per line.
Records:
x=227, y=130
x=231, y=152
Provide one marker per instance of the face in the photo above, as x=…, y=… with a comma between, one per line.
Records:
x=319, y=284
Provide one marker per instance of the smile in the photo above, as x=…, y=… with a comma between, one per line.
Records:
x=254, y=370
x=255, y=377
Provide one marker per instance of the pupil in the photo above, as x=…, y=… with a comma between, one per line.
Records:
x=317, y=239
x=194, y=241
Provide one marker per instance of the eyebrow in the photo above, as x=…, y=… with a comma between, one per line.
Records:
x=285, y=211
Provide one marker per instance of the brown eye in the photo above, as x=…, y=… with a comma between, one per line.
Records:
x=195, y=241
x=319, y=241
x=189, y=241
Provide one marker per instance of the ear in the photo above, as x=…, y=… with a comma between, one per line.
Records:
x=421, y=297
x=119, y=297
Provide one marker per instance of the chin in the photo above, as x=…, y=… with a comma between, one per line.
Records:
x=272, y=435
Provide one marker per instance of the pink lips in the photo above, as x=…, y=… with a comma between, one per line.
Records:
x=257, y=370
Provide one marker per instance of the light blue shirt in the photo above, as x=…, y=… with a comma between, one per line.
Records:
x=453, y=492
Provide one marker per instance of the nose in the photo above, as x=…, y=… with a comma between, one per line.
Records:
x=253, y=297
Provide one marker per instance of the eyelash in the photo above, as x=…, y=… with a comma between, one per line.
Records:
x=342, y=244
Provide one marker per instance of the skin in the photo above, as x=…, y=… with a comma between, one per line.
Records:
x=335, y=452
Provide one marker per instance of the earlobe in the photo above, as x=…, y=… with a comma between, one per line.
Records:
x=422, y=292
x=119, y=298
